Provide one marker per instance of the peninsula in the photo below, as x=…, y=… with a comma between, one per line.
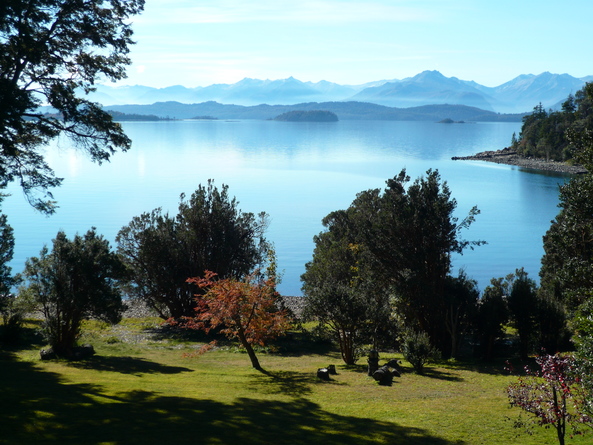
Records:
x=508, y=156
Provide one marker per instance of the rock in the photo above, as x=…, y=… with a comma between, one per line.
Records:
x=83, y=352
x=323, y=374
x=384, y=376
x=394, y=366
x=47, y=354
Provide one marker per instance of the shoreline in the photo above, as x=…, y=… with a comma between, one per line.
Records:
x=507, y=156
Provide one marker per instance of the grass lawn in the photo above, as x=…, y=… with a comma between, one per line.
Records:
x=139, y=390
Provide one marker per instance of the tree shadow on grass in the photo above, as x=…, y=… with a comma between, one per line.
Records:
x=440, y=374
x=492, y=367
x=300, y=342
x=359, y=368
x=127, y=365
x=294, y=384
x=38, y=407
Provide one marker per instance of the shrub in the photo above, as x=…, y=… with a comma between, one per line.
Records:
x=417, y=350
x=12, y=312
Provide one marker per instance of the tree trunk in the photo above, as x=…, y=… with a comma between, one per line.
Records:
x=249, y=349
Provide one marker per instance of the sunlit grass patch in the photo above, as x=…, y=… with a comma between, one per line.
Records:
x=153, y=391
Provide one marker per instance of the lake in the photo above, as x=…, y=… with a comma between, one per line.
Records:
x=298, y=173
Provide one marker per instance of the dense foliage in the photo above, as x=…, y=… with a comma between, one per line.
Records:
x=552, y=394
x=547, y=134
x=11, y=310
x=566, y=279
x=341, y=291
x=492, y=314
x=403, y=239
x=51, y=52
x=418, y=350
x=77, y=280
x=246, y=309
x=208, y=233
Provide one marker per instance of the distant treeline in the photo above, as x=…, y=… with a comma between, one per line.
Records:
x=307, y=116
x=120, y=116
x=547, y=134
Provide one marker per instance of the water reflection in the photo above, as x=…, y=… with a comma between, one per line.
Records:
x=298, y=173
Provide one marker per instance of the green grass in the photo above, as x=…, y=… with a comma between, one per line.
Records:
x=147, y=392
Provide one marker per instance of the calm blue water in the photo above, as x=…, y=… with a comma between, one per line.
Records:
x=298, y=173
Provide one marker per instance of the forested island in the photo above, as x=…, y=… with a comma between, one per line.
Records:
x=307, y=116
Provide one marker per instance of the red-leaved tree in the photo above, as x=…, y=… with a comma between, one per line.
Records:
x=244, y=309
x=553, y=395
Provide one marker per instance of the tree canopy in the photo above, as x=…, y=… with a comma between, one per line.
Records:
x=245, y=309
x=76, y=280
x=209, y=232
x=405, y=236
x=51, y=54
x=341, y=292
x=555, y=135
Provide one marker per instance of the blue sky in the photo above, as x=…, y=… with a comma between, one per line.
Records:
x=201, y=42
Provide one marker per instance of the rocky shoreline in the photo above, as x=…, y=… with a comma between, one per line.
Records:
x=508, y=156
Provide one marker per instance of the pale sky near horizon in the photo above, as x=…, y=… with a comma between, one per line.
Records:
x=202, y=42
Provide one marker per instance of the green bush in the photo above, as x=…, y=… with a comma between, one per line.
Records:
x=417, y=350
x=12, y=313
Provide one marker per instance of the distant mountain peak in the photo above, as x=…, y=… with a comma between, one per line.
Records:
x=429, y=87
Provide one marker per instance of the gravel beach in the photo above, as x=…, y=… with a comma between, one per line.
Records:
x=509, y=157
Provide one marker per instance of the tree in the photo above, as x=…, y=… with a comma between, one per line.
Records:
x=11, y=310
x=583, y=338
x=493, y=313
x=392, y=249
x=246, y=309
x=7, y=280
x=412, y=234
x=340, y=291
x=51, y=53
x=460, y=304
x=568, y=245
x=553, y=395
x=208, y=233
x=77, y=280
x=523, y=308
x=344, y=291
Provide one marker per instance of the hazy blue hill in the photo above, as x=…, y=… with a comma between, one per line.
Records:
x=344, y=110
x=245, y=92
x=426, y=88
x=547, y=88
x=108, y=95
x=333, y=91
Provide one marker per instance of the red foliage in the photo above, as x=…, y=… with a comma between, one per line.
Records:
x=553, y=394
x=243, y=309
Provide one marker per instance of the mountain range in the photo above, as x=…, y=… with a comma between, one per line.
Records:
x=518, y=95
